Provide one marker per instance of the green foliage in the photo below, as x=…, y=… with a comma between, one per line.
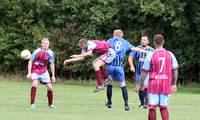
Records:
x=24, y=22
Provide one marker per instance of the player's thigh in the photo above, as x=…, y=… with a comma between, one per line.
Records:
x=164, y=100
x=120, y=76
x=34, y=79
x=110, y=70
x=153, y=100
x=45, y=78
x=94, y=61
x=98, y=63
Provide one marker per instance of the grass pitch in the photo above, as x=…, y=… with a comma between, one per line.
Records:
x=78, y=102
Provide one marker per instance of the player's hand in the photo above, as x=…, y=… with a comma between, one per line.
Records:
x=28, y=75
x=173, y=88
x=74, y=56
x=132, y=69
x=53, y=79
x=66, y=62
x=137, y=88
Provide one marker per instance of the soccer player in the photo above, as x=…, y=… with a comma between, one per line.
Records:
x=107, y=55
x=139, y=57
x=37, y=71
x=162, y=67
x=116, y=67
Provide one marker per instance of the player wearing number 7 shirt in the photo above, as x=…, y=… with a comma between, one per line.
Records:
x=162, y=67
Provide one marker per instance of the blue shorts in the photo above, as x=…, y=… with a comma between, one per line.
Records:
x=108, y=57
x=160, y=100
x=138, y=77
x=42, y=77
x=117, y=73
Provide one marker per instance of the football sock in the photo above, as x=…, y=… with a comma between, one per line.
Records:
x=145, y=96
x=152, y=114
x=104, y=72
x=33, y=93
x=109, y=93
x=164, y=113
x=141, y=96
x=125, y=95
x=99, y=78
x=50, y=97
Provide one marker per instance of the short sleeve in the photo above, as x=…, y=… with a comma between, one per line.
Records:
x=52, y=57
x=174, y=62
x=133, y=54
x=90, y=45
x=34, y=54
x=147, y=62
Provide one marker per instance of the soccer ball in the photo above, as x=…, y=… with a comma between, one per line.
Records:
x=25, y=54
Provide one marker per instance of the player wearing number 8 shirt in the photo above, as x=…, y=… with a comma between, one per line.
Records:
x=163, y=74
x=116, y=67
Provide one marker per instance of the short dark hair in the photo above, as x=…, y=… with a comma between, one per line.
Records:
x=158, y=39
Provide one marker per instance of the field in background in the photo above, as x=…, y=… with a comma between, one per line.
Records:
x=78, y=102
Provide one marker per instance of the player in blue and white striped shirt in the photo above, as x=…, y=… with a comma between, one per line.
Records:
x=116, y=67
x=139, y=61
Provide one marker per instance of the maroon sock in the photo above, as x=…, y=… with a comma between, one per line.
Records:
x=164, y=113
x=33, y=93
x=50, y=97
x=152, y=114
x=104, y=72
x=99, y=78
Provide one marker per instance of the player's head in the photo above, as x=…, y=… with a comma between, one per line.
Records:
x=82, y=43
x=45, y=43
x=118, y=33
x=158, y=40
x=144, y=41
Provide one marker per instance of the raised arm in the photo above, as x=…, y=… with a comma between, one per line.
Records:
x=73, y=60
x=88, y=53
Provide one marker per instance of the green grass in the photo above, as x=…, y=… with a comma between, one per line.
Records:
x=78, y=102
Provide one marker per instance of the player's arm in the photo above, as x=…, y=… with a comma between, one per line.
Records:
x=88, y=53
x=138, y=49
x=30, y=63
x=52, y=66
x=174, y=80
x=73, y=60
x=130, y=61
x=140, y=83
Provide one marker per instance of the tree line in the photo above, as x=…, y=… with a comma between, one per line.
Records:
x=24, y=22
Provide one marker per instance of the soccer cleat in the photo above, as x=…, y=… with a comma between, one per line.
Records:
x=33, y=106
x=109, y=105
x=106, y=81
x=52, y=106
x=145, y=106
x=98, y=88
x=127, y=108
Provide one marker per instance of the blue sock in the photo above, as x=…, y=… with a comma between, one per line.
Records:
x=141, y=96
x=109, y=93
x=125, y=95
x=145, y=96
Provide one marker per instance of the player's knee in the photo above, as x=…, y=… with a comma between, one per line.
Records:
x=122, y=84
x=49, y=87
x=96, y=67
x=34, y=83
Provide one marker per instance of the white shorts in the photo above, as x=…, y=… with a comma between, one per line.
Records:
x=42, y=77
